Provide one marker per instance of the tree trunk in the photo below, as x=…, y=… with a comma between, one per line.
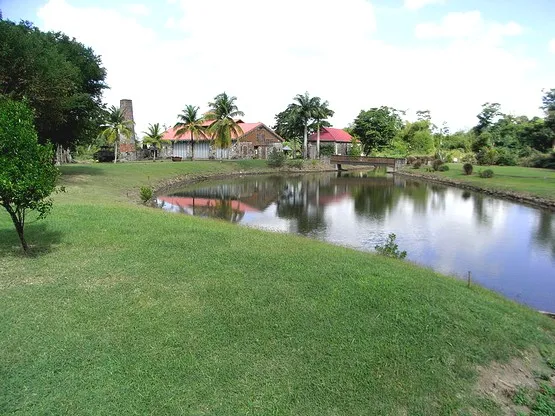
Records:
x=305, y=141
x=318, y=141
x=115, y=151
x=19, y=224
x=192, y=146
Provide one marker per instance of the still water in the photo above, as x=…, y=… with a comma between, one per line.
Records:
x=508, y=247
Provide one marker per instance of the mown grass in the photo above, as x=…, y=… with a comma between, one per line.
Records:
x=124, y=309
x=525, y=181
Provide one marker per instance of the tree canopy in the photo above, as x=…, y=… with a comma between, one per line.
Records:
x=376, y=128
x=189, y=121
x=222, y=112
x=28, y=175
x=61, y=80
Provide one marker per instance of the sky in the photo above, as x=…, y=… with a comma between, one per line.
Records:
x=446, y=56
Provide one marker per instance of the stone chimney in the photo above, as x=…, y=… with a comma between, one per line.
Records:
x=126, y=107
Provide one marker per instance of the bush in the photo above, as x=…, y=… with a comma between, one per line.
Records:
x=390, y=248
x=488, y=173
x=295, y=163
x=145, y=193
x=468, y=158
x=506, y=157
x=417, y=164
x=468, y=168
x=443, y=168
x=487, y=156
x=436, y=164
x=539, y=160
x=327, y=150
x=276, y=158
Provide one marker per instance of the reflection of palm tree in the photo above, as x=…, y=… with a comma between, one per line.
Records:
x=376, y=198
x=298, y=202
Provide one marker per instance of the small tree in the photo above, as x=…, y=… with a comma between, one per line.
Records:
x=116, y=125
x=27, y=175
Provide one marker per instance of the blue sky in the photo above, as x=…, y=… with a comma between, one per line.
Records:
x=448, y=56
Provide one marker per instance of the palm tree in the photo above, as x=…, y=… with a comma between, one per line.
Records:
x=190, y=121
x=321, y=112
x=154, y=136
x=304, y=106
x=222, y=112
x=116, y=126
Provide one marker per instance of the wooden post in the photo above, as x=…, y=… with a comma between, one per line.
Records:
x=469, y=278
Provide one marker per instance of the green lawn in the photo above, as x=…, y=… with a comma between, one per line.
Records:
x=128, y=310
x=525, y=181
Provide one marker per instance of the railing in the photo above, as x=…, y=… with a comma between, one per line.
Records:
x=393, y=162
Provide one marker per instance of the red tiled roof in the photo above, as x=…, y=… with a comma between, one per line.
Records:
x=329, y=134
x=170, y=133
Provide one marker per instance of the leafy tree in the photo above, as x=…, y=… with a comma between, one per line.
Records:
x=28, y=176
x=222, y=111
x=304, y=108
x=418, y=137
x=190, y=122
x=548, y=105
x=153, y=136
x=321, y=113
x=490, y=112
x=116, y=126
x=61, y=80
x=377, y=127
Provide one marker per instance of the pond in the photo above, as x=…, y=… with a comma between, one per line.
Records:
x=508, y=247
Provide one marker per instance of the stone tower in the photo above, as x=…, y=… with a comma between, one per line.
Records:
x=126, y=107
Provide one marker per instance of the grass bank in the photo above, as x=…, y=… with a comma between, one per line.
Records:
x=129, y=310
x=531, y=185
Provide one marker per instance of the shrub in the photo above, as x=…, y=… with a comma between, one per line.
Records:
x=295, y=163
x=467, y=167
x=417, y=164
x=443, y=168
x=436, y=164
x=145, y=193
x=327, y=150
x=468, y=158
x=488, y=173
x=390, y=248
x=487, y=156
x=276, y=158
x=539, y=160
x=506, y=157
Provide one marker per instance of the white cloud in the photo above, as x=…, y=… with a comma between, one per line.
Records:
x=266, y=62
x=139, y=9
x=468, y=25
x=418, y=4
x=551, y=46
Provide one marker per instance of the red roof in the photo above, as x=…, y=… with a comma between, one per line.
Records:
x=170, y=133
x=329, y=134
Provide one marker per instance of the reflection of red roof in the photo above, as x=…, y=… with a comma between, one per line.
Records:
x=329, y=134
x=170, y=133
x=328, y=199
x=204, y=202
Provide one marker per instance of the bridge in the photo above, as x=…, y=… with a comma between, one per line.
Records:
x=392, y=163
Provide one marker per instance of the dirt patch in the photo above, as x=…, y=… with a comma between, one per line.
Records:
x=500, y=382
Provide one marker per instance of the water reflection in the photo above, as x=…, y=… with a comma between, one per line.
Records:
x=508, y=247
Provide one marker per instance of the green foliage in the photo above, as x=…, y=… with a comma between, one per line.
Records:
x=116, y=126
x=295, y=163
x=443, y=168
x=355, y=149
x=153, y=136
x=61, y=79
x=189, y=121
x=487, y=156
x=28, y=175
x=436, y=164
x=468, y=168
x=390, y=248
x=469, y=158
x=327, y=150
x=418, y=137
x=377, y=127
x=276, y=158
x=506, y=157
x=145, y=193
x=488, y=173
x=223, y=112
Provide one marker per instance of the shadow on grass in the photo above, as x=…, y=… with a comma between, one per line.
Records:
x=74, y=170
x=40, y=239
